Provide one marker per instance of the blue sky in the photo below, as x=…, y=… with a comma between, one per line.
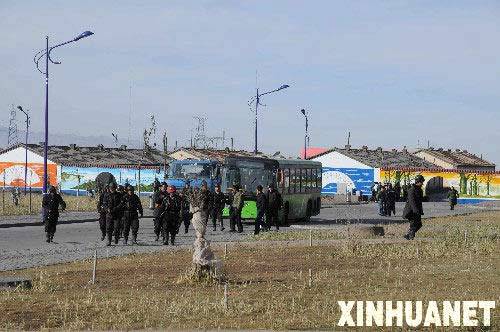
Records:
x=391, y=72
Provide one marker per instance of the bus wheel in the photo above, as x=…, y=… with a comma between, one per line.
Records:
x=286, y=211
x=318, y=206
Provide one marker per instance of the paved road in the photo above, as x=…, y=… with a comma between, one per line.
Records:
x=22, y=247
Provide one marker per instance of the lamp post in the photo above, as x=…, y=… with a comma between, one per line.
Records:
x=25, y=148
x=38, y=56
x=306, y=137
x=256, y=100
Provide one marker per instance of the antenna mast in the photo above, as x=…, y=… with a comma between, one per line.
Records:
x=12, y=138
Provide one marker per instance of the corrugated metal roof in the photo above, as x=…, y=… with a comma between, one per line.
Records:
x=97, y=156
x=458, y=158
x=218, y=155
x=380, y=158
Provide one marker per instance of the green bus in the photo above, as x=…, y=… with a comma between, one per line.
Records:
x=298, y=181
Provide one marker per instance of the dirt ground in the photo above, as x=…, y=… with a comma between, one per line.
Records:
x=268, y=281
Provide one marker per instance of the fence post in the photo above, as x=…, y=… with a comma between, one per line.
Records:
x=3, y=194
x=30, y=202
x=94, y=269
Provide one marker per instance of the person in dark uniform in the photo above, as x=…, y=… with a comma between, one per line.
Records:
x=113, y=214
x=50, y=205
x=101, y=209
x=261, y=203
x=158, y=209
x=218, y=203
x=382, y=201
x=274, y=203
x=237, y=204
x=413, y=210
x=206, y=195
x=391, y=200
x=186, y=215
x=122, y=192
x=171, y=215
x=453, y=197
x=131, y=204
x=397, y=190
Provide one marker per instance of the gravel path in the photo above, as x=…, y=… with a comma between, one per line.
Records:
x=23, y=247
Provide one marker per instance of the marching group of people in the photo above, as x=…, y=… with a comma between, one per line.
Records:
x=386, y=195
x=120, y=208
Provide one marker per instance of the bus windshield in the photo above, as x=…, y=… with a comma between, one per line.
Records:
x=190, y=171
x=248, y=175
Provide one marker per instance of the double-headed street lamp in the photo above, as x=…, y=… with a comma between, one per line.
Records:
x=38, y=56
x=25, y=147
x=256, y=99
x=306, y=137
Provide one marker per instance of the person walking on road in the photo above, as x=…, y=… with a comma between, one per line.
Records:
x=217, y=206
x=274, y=202
x=413, y=210
x=261, y=203
x=50, y=206
x=158, y=198
x=171, y=215
x=237, y=206
x=186, y=215
x=113, y=214
x=131, y=204
x=101, y=209
x=453, y=197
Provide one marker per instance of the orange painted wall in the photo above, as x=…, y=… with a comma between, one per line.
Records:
x=14, y=174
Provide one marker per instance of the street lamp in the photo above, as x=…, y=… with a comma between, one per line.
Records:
x=306, y=137
x=256, y=100
x=38, y=56
x=25, y=148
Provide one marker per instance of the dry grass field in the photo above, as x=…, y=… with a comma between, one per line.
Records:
x=268, y=282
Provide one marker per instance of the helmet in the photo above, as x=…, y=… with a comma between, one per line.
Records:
x=52, y=189
x=419, y=178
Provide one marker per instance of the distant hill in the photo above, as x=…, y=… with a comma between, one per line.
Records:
x=64, y=139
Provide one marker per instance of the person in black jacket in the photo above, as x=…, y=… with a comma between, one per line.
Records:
x=413, y=210
x=130, y=205
x=274, y=202
x=186, y=215
x=158, y=198
x=101, y=209
x=113, y=214
x=171, y=215
x=218, y=203
x=50, y=205
x=261, y=203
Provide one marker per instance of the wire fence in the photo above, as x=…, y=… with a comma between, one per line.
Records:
x=14, y=202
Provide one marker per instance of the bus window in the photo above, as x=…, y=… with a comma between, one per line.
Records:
x=286, y=172
x=295, y=180
x=319, y=179
x=306, y=178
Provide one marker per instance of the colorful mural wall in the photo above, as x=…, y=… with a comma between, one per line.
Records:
x=468, y=184
x=80, y=179
x=12, y=174
x=340, y=180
